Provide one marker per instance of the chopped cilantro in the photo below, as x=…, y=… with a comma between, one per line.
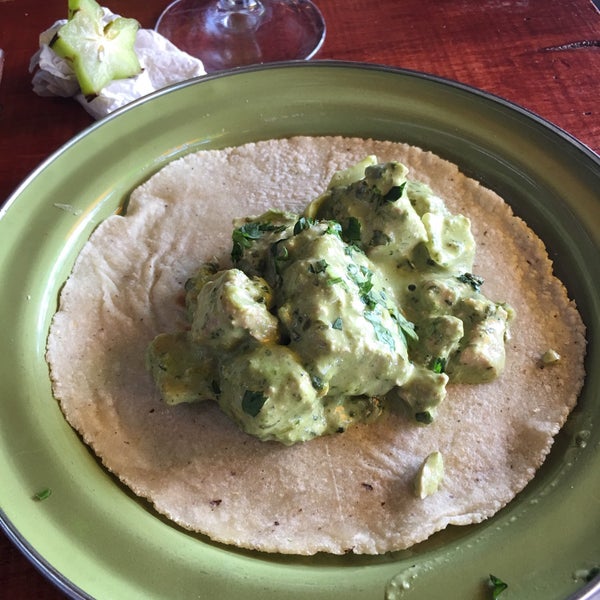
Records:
x=369, y=299
x=252, y=402
x=350, y=249
x=473, y=280
x=42, y=494
x=381, y=332
x=334, y=228
x=405, y=327
x=317, y=382
x=280, y=252
x=244, y=236
x=337, y=324
x=424, y=417
x=318, y=266
x=497, y=585
x=351, y=233
x=301, y=224
x=362, y=276
x=438, y=365
x=248, y=231
x=237, y=251
x=395, y=193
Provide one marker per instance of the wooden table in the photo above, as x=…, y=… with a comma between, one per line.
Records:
x=541, y=54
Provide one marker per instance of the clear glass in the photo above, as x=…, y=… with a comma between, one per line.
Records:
x=232, y=33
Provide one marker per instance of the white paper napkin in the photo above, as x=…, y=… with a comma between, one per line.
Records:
x=162, y=64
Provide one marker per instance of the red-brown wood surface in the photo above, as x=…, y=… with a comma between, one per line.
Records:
x=541, y=54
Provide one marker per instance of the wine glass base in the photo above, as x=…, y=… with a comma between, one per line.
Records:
x=280, y=30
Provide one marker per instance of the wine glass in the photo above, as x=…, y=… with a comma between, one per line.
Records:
x=232, y=33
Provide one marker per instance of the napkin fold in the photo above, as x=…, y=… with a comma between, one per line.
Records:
x=162, y=64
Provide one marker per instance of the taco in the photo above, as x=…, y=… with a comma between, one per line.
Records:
x=347, y=492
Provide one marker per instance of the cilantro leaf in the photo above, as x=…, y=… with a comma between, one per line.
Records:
x=317, y=382
x=438, y=365
x=318, y=266
x=244, y=236
x=252, y=402
x=498, y=586
x=382, y=334
x=301, y=224
x=351, y=233
x=473, y=280
x=405, y=327
x=334, y=228
x=280, y=252
x=361, y=276
x=394, y=193
x=424, y=417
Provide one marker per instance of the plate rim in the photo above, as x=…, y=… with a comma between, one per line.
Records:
x=319, y=63
x=12, y=532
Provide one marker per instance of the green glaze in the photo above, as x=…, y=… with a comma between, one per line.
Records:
x=92, y=534
x=365, y=300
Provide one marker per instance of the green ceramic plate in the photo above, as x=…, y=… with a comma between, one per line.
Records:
x=93, y=537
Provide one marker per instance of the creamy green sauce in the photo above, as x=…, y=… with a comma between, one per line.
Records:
x=365, y=302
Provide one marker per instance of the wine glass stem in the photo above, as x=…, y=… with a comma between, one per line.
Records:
x=246, y=6
x=239, y=14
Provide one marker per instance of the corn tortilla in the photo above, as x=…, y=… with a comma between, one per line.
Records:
x=345, y=493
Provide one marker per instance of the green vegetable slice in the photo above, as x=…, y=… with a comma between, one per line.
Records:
x=98, y=53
